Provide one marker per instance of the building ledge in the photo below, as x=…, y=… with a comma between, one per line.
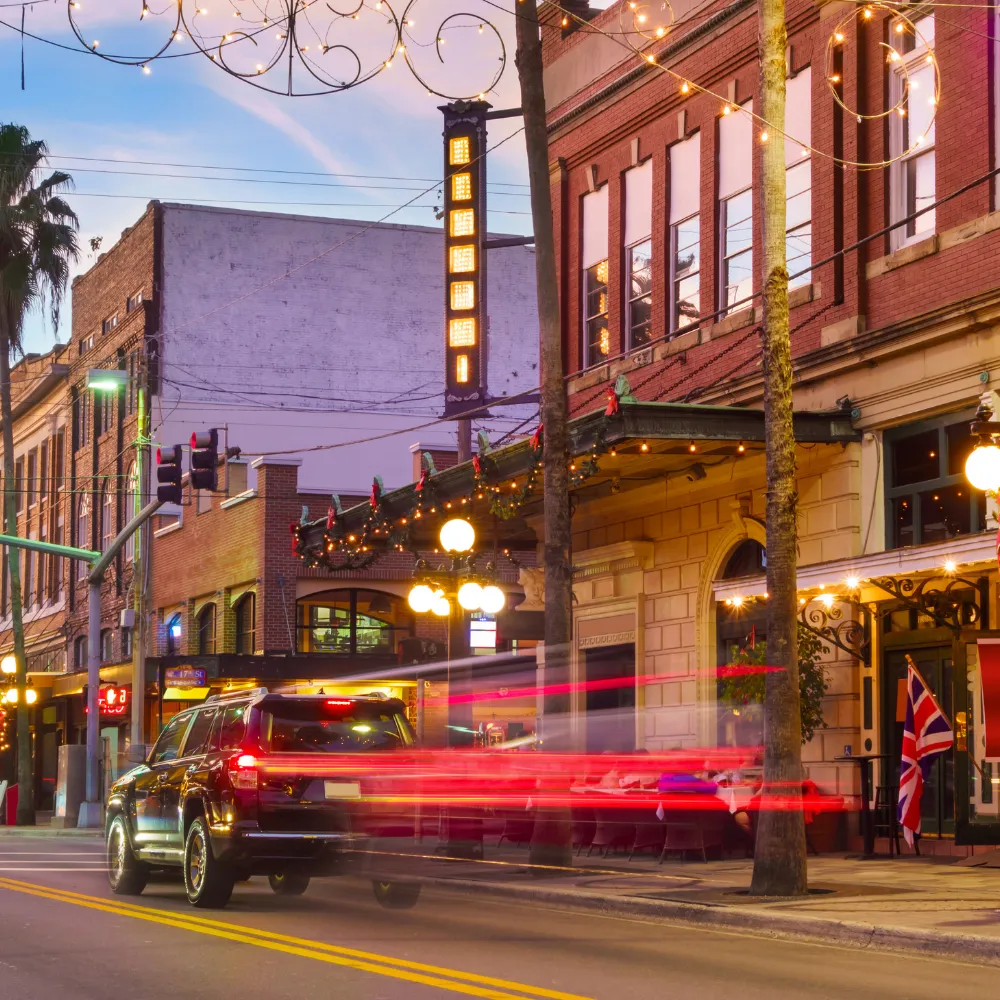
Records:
x=614, y=558
x=169, y=529
x=238, y=499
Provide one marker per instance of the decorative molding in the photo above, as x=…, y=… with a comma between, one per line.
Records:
x=608, y=639
x=616, y=558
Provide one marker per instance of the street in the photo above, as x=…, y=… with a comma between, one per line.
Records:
x=64, y=935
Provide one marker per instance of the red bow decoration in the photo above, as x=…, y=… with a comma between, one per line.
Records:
x=613, y=406
x=422, y=482
x=477, y=465
x=536, y=438
x=376, y=495
x=331, y=516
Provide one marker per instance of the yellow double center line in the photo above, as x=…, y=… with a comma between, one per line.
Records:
x=453, y=980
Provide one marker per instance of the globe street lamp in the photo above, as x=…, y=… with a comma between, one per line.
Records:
x=982, y=468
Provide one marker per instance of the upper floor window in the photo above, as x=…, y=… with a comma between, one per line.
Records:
x=107, y=646
x=246, y=624
x=596, y=332
x=798, y=179
x=109, y=324
x=736, y=208
x=206, y=630
x=928, y=498
x=353, y=622
x=639, y=254
x=80, y=652
x=107, y=516
x=126, y=643
x=175, y=632
x=133, y=302
x=43, y=471
x=29, y=485
x=913, y=91
x=82, y=533
x=685, y=234
x=131, y=505
x=19, y=484
x=86, y=344
x=81, y=419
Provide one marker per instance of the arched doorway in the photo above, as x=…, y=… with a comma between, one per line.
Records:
x=740, y=626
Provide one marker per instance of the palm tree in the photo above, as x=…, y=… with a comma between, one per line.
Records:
x=37, y=243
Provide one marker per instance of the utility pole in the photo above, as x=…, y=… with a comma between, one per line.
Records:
x=551, y=842
x=780, y=854
x=140, y=563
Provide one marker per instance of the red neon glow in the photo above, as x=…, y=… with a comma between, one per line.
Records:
x=339, y=702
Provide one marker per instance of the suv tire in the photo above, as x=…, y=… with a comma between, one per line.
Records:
x=208, y=882
x=288, y=883
x=127, y=875
x=397, y=895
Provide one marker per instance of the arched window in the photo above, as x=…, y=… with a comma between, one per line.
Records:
x=747, y=559
x=174, y=633
x=80, y=652
x=131, y=494
x=107, y=646
x=354, y=622
x=246, y=623
x=107, y=516
x=206, y=630
x=83, y=540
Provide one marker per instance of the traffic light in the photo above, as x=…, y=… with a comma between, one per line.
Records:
x=168, y=474
x=205, y=460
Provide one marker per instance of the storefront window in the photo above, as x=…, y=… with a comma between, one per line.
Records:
x=362, y=622
x=927, y=496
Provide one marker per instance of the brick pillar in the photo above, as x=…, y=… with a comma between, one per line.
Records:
x=189, y=637
x=225, y=637
x=277, y=487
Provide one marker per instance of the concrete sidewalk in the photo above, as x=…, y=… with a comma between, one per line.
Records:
x=911, y=903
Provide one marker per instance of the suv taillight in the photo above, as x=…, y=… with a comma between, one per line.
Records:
x=243, y=771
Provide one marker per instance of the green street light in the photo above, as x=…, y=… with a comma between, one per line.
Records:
x=106, y=379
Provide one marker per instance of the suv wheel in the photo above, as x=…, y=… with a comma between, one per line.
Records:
x=208, y=882
x=397, y=895
x=126, y=873
x=288, y=883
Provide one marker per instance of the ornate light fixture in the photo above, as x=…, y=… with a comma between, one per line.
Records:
x=982, y=467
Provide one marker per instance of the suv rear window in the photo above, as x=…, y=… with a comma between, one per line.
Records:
x=324, y=727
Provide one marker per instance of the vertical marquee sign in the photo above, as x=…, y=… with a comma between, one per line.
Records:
x=464, y=256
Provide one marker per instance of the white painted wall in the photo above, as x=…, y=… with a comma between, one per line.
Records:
x=350, y=345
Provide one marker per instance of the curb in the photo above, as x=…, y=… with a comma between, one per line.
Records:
x=798, y=927
x=46, y=832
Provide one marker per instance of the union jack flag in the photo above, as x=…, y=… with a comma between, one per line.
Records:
x=926, y=735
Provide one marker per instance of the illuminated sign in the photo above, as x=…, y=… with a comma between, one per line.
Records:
x=464, y=260
x=184, y=677
x=113, y=700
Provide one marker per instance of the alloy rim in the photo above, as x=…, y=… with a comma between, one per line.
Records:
x=116, y=861
x=196, y=861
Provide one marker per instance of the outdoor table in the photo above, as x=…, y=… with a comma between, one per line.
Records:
x=867, y=828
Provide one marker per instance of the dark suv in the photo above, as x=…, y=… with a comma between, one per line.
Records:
x=249, y=785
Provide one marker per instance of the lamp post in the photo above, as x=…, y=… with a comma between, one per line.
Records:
x=435, y=589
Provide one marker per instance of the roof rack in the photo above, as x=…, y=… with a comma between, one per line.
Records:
x=231, y=695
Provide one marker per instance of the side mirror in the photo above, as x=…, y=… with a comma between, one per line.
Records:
x=138, y=753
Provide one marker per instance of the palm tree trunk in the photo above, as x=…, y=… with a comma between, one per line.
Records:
x=551, y=841
x=25, y=758
x=780, y=856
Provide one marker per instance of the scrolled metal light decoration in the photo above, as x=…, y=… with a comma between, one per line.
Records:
x=299, y=48
x=851, y=635
x=949, y=606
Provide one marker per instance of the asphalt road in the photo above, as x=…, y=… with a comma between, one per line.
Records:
x=63, y=935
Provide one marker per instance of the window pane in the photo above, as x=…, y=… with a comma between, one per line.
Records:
x=799, y=210
x=798, y=179
x=739, y=223
x=920, y=192
x=915, y=459
x=688, y=301
x=229, y=733
x=798, y=253
x=920, y=105
x=945, y=513
x=687, y=247
x=960, y=446
x=598, y=339
x=903, y=519
x=198, y=737
x=640, y=321
x=640, y=268
x=926, y=28
x=739, y=278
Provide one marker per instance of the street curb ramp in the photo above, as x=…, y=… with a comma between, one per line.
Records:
x=798, y=927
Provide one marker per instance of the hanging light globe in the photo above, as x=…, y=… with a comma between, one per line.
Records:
x=457, y=535
x=982, y=468
x=493, y=600
x=420, y=598
x=31, y=696
x=11, y=696
x=441, y=606
x=8, y=665
x=470, y=596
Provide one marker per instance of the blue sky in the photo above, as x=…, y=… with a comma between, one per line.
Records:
x=188, y=111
